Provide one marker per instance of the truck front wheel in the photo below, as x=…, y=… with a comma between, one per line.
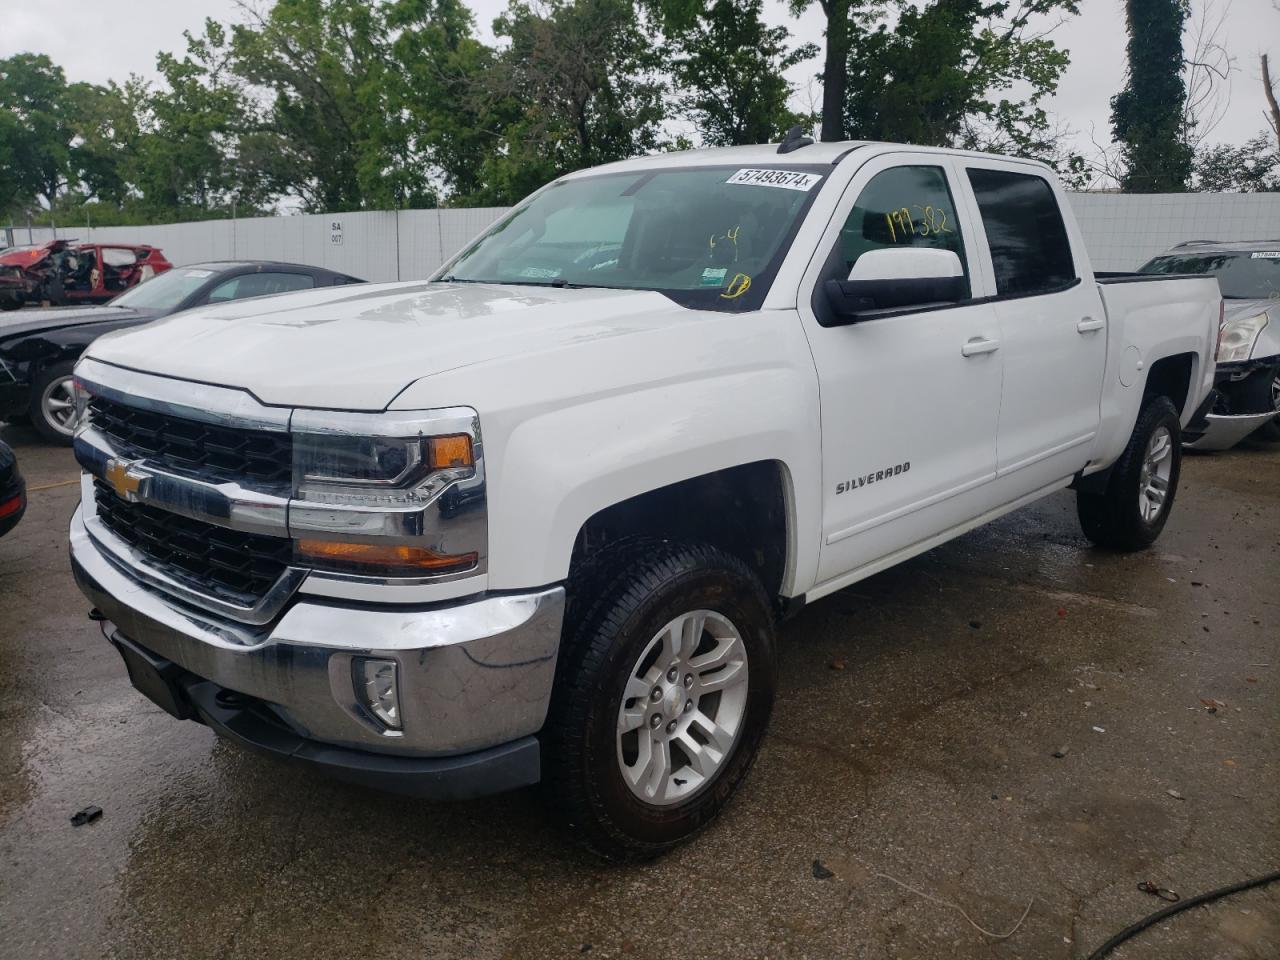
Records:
x=1135, y=505
x=664, y=689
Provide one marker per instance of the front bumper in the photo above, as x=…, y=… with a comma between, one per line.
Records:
x=472, y=676
x=1245, y=404
x=1224, y=432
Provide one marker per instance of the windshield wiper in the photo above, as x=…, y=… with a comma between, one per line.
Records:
x=559, y=283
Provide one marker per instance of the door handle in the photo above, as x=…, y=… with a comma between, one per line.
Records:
x=1088, y=325
x=978, y=345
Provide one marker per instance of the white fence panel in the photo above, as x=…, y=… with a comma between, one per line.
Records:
x=1123, y=231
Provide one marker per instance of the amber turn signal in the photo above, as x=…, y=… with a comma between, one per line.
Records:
x=451, y=451
x=384, y=557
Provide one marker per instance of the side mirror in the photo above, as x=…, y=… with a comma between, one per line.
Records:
x=895, y=278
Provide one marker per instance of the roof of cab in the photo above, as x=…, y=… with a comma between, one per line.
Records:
x=767, y=155
x=755, y=155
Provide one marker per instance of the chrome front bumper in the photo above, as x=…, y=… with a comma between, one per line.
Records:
x=1224, y=432
x=472, y=675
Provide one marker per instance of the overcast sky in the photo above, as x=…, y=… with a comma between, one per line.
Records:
x=97, y=41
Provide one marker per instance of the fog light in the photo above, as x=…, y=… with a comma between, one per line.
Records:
x=378, y=689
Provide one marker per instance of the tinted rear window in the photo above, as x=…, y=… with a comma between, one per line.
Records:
x=1028, y=240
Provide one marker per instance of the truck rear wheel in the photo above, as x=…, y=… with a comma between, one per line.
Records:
x=664, y=689
x=1133, y=509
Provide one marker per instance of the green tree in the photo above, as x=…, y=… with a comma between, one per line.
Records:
x=578, y=85
x=945, y=74
x=729, y=70
x=185, y=159
x=444, y=68
x=839, y=16
x=1252, y=167
x=1147, y=115
x=342, y=138
x=106, y=126
x=37, y=132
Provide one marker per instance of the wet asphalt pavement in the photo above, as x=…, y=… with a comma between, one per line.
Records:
x=911, y=752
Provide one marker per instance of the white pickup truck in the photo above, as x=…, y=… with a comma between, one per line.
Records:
x=537, y=519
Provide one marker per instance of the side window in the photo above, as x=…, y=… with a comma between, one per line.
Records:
x=260, y=285
x=1028, y=240
x=119, y=257
x=902, y=207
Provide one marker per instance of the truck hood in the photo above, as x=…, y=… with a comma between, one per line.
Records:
x=356, y=348
x=23, y=322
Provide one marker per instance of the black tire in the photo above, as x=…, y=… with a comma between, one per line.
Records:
x=11, y=303
x=1112, y=519
x=41, y=417
x=630, y=594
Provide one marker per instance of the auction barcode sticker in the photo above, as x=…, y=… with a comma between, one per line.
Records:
x=787, y=179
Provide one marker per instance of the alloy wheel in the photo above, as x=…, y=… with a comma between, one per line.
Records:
x=683, y=708
x=59, y=405
x=1153, y=481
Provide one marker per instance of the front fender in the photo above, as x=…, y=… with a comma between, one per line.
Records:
x=571, y=432
x=558, y=471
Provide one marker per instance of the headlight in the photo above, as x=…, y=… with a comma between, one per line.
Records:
x=82, y=396
x=337, y=469
x=1237, y=337
x=363, y=484
x=379, y=460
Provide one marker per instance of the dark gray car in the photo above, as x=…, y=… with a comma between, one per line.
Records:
x=1248, y=376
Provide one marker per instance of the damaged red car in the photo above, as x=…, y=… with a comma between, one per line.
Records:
x=63, y=271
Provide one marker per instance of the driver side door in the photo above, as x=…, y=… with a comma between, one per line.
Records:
x=910, y=398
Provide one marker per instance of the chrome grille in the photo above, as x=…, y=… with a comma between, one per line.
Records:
x=236, y=567
x=259, y=458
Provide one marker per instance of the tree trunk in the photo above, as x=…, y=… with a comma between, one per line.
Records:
x=835, y=69
x=1273, y=108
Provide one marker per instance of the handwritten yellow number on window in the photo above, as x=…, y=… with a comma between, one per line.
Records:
x=932, y=221
x=739, y=285
x=729, y=235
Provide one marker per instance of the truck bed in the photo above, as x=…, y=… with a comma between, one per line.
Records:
x=1148, y=317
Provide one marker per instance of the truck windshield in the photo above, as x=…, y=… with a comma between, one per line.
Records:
x=709, y=237
x=164, y=291
x=1242, y=276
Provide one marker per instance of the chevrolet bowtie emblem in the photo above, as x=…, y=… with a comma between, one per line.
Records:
x=124, y=480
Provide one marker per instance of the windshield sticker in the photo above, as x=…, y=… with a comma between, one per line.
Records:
x=198, y=274
x=739, y=285
x=786, y=179
x=1266, y=255
x=540, y=273
x=713, y=277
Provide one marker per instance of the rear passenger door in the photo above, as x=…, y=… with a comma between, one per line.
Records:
x=1052, y=327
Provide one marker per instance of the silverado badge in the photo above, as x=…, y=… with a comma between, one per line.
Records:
x=124, y=480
